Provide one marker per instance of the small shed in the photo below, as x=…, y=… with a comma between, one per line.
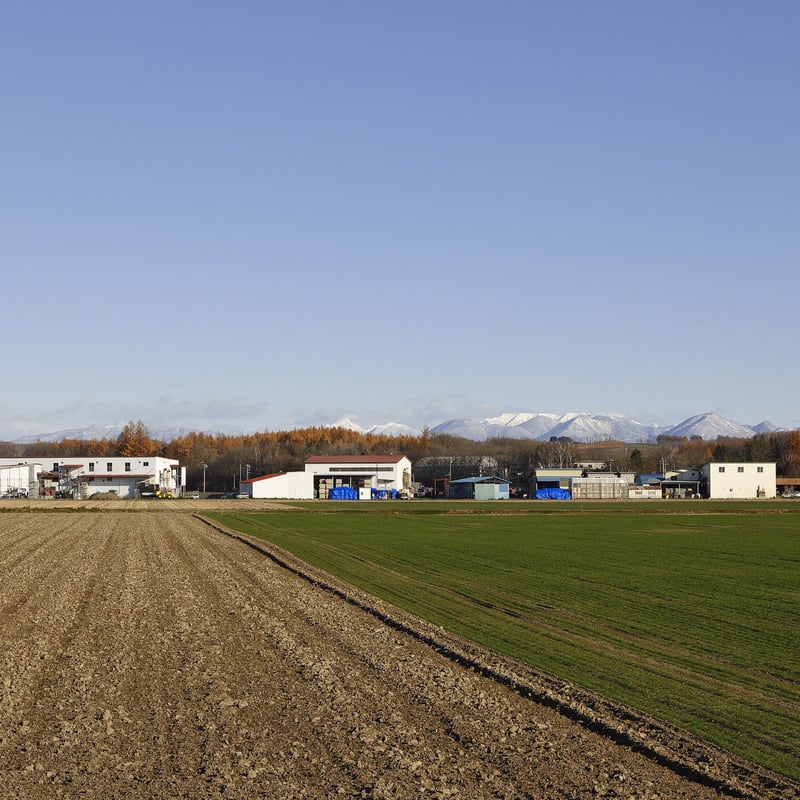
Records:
x=482, y=487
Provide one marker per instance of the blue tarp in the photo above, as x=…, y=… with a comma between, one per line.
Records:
x=343, y=493
x=553, y=494
x=383, y=494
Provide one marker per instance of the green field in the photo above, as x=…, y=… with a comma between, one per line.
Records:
x=688, y=612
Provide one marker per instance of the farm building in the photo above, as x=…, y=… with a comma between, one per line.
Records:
x=360, y=472
x=553, y=478
x=323, y=474
x=739, y=480
x=483, y=487
x=683, y=484
x=580, y=483
x=125, y=476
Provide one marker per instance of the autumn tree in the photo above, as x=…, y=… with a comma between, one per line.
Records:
x=134, y=440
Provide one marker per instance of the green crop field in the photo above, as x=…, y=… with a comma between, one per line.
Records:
x=688, y=612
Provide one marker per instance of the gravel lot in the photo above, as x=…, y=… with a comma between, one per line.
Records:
x=150, y=655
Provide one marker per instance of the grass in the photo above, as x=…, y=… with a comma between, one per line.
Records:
x=688, y=612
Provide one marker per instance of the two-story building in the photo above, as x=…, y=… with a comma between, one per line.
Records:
x=79, y=478
x=739, y=480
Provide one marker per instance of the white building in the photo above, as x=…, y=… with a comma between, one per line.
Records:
x=125, y=476
x=740, y=480
x=362, y=473
x=19, y=480
x=279, y=485
x=323, y=473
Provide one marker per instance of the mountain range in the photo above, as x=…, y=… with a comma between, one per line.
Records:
x=580, y=427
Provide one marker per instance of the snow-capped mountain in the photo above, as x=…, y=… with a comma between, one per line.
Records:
x=583, y=427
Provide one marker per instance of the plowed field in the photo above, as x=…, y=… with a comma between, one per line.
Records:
x=148, y=655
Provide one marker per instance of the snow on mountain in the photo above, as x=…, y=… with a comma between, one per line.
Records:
x=465, y=428
x=510, y=420
x=347, y=424
x=384, y=429
x=766, y=427
x=519, y=426
x=710, y=426
x=587, y=428
x=394, y=429
x=580, y=427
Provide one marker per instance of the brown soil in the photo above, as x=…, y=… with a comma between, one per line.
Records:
x=154, y=656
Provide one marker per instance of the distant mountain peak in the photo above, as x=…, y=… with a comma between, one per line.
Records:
x=347, y=424
x=710, y=425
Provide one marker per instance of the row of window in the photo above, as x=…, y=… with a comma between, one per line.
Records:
x=109, y=466
x=741, y=469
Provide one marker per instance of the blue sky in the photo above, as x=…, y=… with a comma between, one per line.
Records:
x=258, y=215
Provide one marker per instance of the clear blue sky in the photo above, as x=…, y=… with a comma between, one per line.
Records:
x=257, y=215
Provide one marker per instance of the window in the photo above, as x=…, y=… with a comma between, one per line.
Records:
x=145, y=463
x=740, y=469
x=127, y=466
x=55, y=466
x=91, y=466
x=759, y=469
x=721, y=469
x=109, y=466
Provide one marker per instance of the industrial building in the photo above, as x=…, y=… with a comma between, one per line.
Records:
x=80, y=478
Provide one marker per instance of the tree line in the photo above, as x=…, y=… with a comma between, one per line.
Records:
x=228, y=457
